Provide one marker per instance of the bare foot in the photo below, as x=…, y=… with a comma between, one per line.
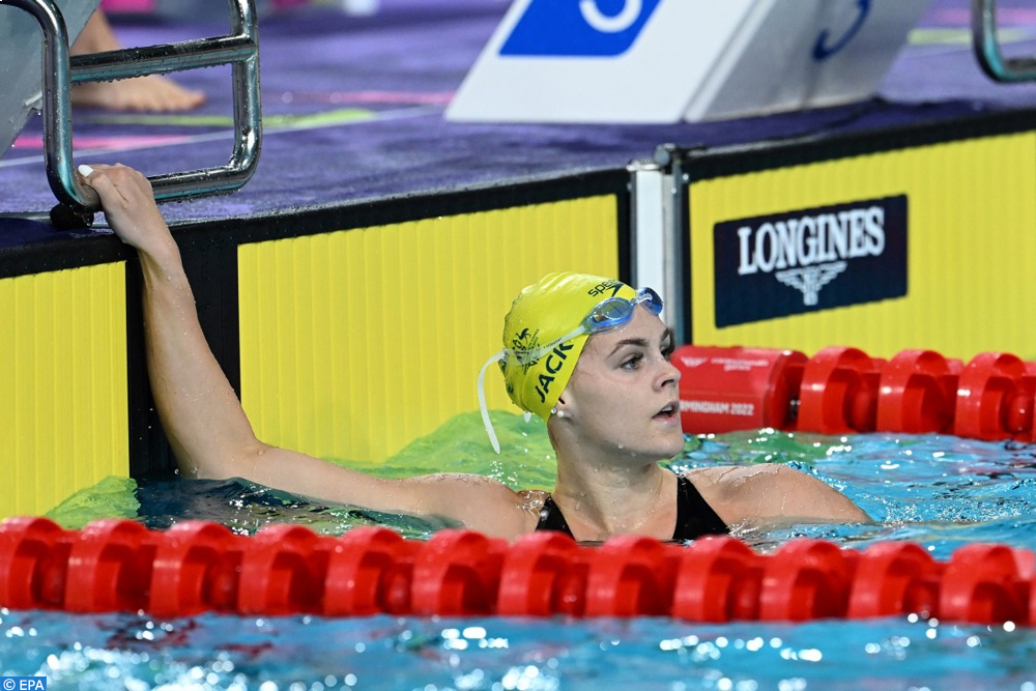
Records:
x=150, y=93
x=153, y=93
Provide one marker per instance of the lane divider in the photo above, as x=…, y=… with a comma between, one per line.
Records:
x=843, y=390
x=194, y=567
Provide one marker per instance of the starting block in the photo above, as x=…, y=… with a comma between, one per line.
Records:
x=662, y=61
x=21, y=54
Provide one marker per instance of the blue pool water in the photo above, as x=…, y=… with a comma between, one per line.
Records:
x=939, y=491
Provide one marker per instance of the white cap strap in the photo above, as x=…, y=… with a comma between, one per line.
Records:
x=482, y=399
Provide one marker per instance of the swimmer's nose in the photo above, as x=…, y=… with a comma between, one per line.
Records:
x=670, y=374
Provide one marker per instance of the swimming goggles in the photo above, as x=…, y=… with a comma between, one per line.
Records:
x=608, y=314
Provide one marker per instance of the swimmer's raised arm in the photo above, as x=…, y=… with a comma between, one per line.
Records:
x=200, y=412
x=203, y=418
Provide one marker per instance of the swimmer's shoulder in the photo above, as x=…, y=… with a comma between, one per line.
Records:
x=723, y=482
x=759, y=493
x=726, y=488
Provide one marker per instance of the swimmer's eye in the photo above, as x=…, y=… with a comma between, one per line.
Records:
x=632, y=362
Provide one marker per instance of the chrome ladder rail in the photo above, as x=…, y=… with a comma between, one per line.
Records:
x=987, y=47
x=240, y=49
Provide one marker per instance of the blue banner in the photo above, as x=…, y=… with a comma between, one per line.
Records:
x=586, y=28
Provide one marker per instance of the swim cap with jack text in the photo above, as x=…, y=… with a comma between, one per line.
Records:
x=538, y=360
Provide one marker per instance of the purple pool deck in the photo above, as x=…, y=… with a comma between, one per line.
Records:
x=353, y=111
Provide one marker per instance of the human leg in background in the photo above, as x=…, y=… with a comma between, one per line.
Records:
x=154, y=92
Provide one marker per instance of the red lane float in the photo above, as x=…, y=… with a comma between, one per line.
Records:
x=894, y=577
x=118, y=565
x=368, y=570
x=806, y=579
x=630, y=576
x=844, y=390
x=917, y=393
x=456, y=573
x=109, y=566
x=718, y=581
x=537, y=575
x=281, y=571
x=192, y=568
x=33, y=563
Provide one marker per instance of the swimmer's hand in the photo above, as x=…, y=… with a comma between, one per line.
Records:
x=129, y=205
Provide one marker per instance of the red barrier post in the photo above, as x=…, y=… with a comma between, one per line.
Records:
x=725, y=389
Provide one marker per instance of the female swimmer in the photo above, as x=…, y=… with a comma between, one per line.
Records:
x=587, y=354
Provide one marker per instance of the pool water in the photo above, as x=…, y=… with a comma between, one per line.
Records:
x=939, y=491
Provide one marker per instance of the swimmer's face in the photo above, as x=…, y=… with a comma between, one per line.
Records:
x=624, y=393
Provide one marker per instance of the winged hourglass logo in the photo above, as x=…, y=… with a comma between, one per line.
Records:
x=810, y=279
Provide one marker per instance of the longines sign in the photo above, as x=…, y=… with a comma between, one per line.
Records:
x=810, y=260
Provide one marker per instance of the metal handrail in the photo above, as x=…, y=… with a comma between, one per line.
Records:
x=60, y=71
x=987, y=47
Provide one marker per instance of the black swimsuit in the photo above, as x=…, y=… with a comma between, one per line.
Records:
x=694, y=516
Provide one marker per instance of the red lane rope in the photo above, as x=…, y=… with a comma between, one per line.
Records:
x=842, y=390
x=194, y=567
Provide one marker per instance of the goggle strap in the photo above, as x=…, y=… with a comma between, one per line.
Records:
x=482, y=399
x=523, y=357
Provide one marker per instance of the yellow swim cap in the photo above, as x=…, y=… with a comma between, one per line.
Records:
x=542, y=314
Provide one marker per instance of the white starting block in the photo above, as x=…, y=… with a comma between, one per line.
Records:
x=21, y=55
x=662, y=61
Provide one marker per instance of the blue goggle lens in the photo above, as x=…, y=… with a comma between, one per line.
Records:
x=617, y=311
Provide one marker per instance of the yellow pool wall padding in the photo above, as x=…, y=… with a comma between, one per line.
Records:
x=354, y=343
x=63, y=383
x=970, y=204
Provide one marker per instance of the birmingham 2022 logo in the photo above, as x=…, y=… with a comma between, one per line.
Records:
x=586, y=28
